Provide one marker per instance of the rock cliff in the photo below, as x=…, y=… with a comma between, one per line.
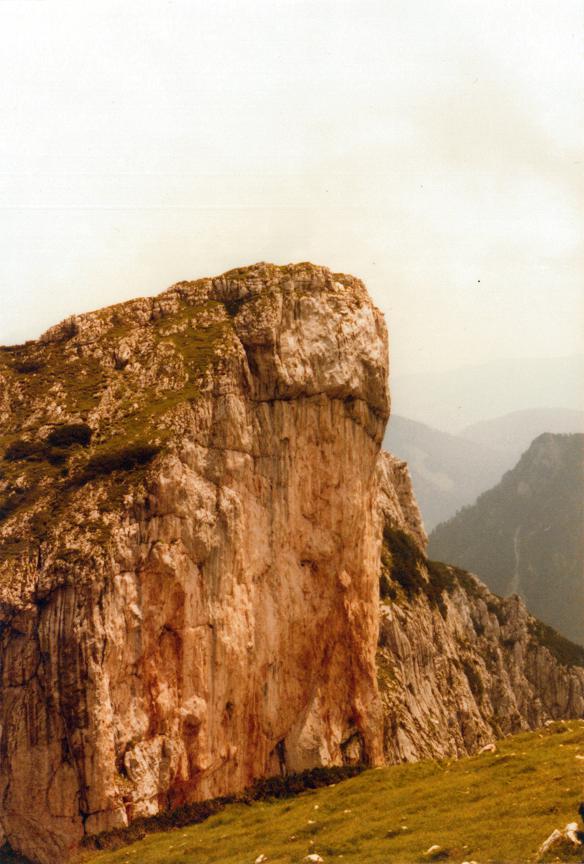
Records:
x=190, y=549
x=195, y=523
x=458, y=666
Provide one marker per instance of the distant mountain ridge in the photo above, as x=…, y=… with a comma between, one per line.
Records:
x=451, y=471
x=454, y=399
x=448, y=471
x=513, y=433
x=526, y=535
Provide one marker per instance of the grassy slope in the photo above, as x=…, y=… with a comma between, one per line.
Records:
x=494, y=807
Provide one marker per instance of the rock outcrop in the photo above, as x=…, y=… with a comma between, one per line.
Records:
x=196, y=525
x=190, y=549
x=458, y=665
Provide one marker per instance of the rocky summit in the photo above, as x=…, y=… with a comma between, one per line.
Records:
x=209, y=573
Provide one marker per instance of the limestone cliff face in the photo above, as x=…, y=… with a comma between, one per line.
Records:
x=190, y=549
x=458, y=666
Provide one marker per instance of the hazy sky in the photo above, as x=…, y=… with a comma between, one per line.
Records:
x=432, y=147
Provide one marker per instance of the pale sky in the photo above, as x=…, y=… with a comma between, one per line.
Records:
x=422, y=145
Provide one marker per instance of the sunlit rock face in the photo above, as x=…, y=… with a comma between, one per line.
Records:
x=188, y=590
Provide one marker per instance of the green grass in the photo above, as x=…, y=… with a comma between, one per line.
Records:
x=490, y=808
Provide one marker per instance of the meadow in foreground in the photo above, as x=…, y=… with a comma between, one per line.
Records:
x=495, y=807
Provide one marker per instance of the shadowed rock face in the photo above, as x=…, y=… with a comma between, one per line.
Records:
x=189, y=600
x=458, y=666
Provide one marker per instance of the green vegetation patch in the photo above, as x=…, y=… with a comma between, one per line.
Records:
x=16, y=498
x=403, y=565
x=49, y=490
x=567, y=653
x=232, y=307
x=496, y=807
x=27, y=367
x=40, y=457
x=12, y=502
x=7, y=856
x=40, y=374
x=198, y=346
x=405, y=561
x=70, y=434
x=23, y=449
x=50, y=449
